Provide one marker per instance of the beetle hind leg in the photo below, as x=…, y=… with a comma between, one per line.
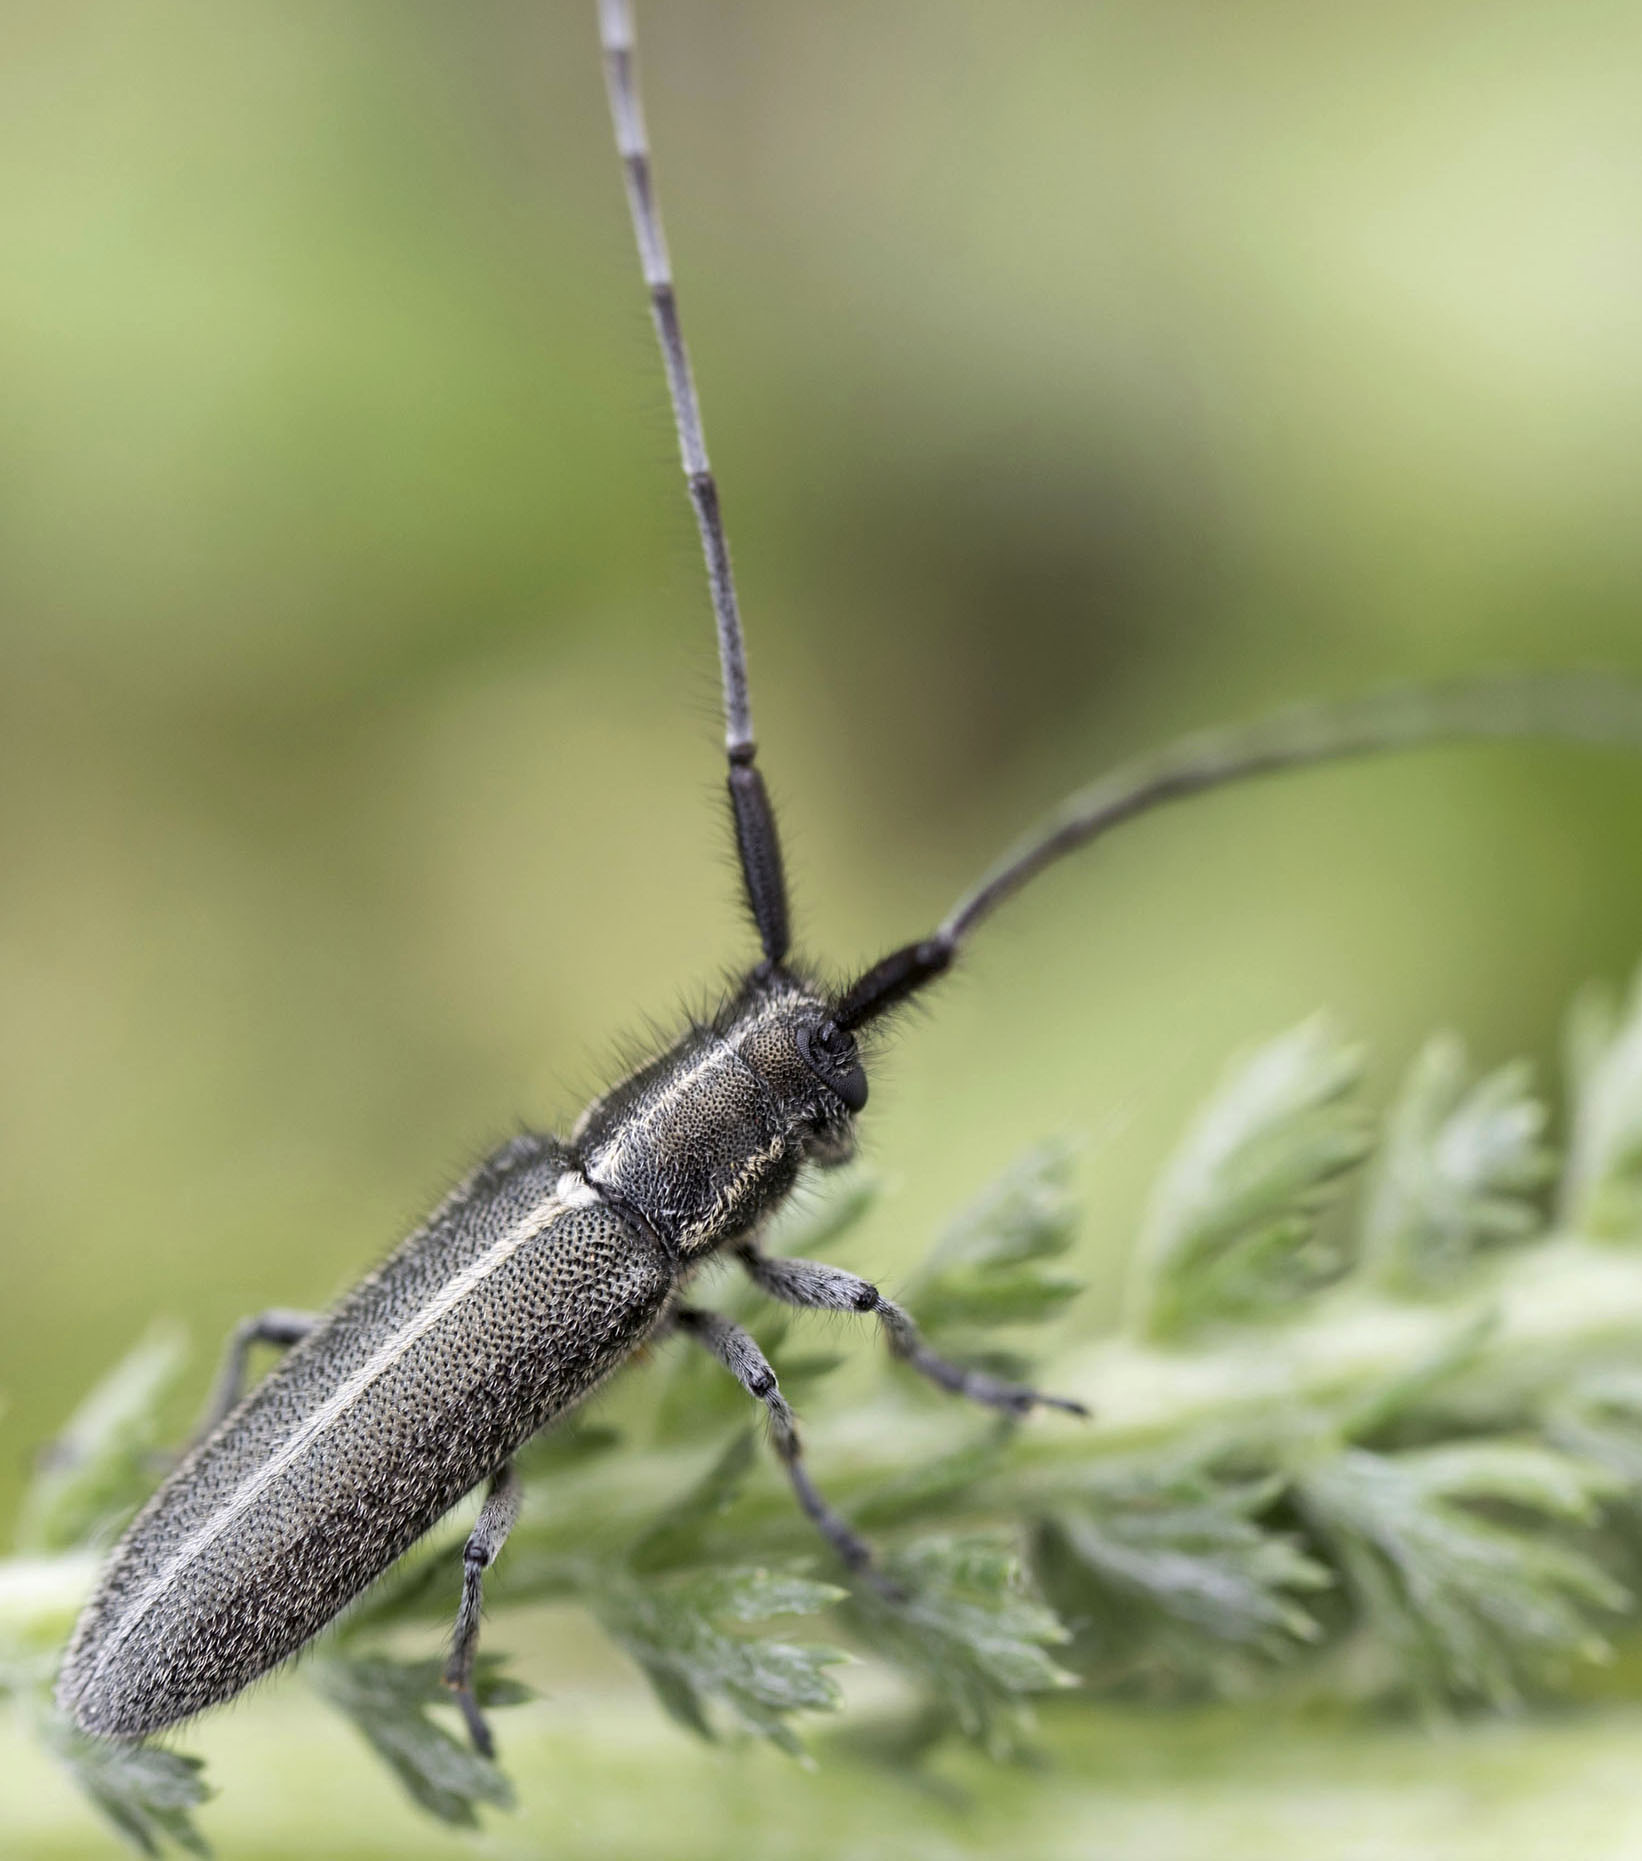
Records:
x=496, y=1519
x=278, y=1327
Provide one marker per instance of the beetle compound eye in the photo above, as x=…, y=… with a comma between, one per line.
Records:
x=831, y=1055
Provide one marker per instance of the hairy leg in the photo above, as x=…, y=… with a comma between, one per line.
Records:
x=496, y=1519
x=812, y=1286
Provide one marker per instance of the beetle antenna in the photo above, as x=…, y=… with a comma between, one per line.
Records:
x=757, y=841
x=1580, y=708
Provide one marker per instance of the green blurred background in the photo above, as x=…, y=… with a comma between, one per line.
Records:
x=1074, y=374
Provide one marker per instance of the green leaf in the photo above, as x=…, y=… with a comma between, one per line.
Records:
x=1456, y=1170
x=103, y=1463
x=987, y=1266
x=146, y=1793
x=1452, y=1555
x=1602, y=1184
x=965, y=1630
x=674, y=1629
x=1232, y=1227
x=1165, y=1576
x=388, y=1701
x=1599, y=1418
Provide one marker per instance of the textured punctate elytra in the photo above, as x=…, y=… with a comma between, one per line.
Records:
x=535, y=1279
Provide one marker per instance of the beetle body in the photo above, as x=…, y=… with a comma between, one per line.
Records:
x=535, y=1279
x=553, y=1262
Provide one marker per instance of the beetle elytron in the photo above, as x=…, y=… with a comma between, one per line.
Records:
x=548, y=1267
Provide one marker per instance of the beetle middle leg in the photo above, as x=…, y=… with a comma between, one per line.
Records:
x=812, y=1286
x=740, y=1355
x=497, y=1517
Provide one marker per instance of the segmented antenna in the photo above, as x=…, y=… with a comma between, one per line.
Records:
x=1580, y=708
x=756, y=838
x=633, y=146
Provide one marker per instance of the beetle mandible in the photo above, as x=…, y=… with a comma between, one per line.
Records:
x=544, y=1270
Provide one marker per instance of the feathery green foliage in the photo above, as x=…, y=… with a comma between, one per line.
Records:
x=1390, y=1441
x=147, y=1794
x=1234, y=1225
x=388, y=1701
x=101, y=1466
x=1176, y=1583
x=1457, y=1170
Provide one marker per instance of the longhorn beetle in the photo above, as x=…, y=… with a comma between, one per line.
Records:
x=543, y=1271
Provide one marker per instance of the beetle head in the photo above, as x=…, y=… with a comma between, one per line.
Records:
x=809, y=1064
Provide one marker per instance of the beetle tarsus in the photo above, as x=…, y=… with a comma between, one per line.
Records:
x=478, y=1727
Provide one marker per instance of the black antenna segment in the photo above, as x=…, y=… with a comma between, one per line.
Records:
x=1575, y=707
x=757, y=841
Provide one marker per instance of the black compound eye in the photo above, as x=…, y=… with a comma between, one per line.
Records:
x=831, y=1055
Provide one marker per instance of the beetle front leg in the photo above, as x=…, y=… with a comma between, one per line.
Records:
x=497, y=1517
x=740, y=1355
x=812, y=1286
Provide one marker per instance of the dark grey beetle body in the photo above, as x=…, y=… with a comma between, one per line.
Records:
x=534, y=1280
x=553, y=1262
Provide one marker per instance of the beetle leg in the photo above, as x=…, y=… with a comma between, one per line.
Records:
x=496, y=1519
x=740, y=1355
x=812, y=1286
x=275, y=1326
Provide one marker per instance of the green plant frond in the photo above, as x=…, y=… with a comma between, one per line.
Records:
x=963, y=1628
x=1479, y=1603
x=147, y=1795
x=1232, y=1225
x=1456, y=1170
x=675, y=1630
x=389, y=1703
x=1424, y=1493
x=988, y=1266
x=1602, y=1183
x=1170, y=1579
x=102, y=1465
x=1422, y=1378
x=1522, y=1474
x=675, y=1537
x=1599, y=1418
x=925, y=1485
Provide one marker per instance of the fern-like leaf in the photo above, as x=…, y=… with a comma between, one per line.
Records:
x=1175, y=1581
x=680, y=1632
x=1232, y=1228
x=1602, y=1185
x=1451, y=1554
x=1456, y=1171
x=964, y=1628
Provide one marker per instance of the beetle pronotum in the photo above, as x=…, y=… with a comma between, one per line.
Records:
x=554, y=1260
